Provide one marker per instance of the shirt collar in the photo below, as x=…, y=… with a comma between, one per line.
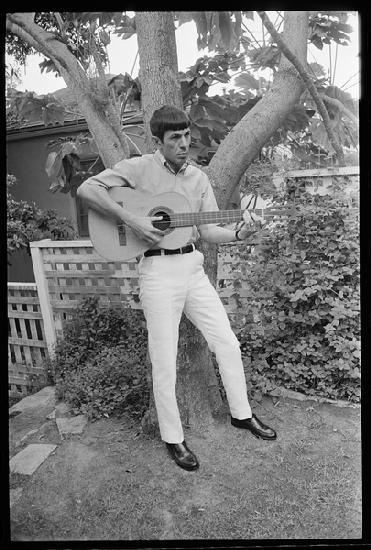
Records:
x=160, y=157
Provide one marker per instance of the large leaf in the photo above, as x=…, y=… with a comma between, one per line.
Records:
x=323, y=30
x=53, y=164
x=246, y=81
x=31, y=108
x=317, y=70
x=86, y=148
x=265, y=57
x=226, y=30
x=197, y=112
x=68, y=148
x=297, y=119
x=319, y=134
x=204, y=123
x=214, y=111
x=344, y=97
x=52, y=113
x=215, y=29
x=55, y=170
x=48, y=66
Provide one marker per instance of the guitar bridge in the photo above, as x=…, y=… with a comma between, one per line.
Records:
x=122, y=234
x=121, y=231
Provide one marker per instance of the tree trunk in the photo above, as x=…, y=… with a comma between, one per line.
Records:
x=158, y=72
x=197, y=387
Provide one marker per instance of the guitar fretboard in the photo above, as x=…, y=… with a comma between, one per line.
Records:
x=187, y=219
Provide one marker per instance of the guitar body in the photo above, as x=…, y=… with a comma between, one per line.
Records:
x=116, y=242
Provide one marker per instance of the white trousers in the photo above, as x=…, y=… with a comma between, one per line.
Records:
x=169, y=285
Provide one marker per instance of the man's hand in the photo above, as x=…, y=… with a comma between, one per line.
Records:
x=252, y=223
x=144, y=230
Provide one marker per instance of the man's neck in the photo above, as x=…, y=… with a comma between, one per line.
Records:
x=175, y=167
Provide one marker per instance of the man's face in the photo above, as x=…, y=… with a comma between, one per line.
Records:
x=175, y=146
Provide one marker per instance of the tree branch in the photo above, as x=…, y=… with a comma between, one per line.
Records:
x=98, y=116
x=134, y=145
x=22, y=25
x=308, y=83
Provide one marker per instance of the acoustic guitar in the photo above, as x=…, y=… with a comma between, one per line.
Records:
x=115, y=241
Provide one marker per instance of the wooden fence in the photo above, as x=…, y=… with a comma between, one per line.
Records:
x=27, y=347
x=65, y=272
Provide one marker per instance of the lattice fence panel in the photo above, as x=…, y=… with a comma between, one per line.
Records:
x=75, y=272
x=27, y=347
x=240, y=302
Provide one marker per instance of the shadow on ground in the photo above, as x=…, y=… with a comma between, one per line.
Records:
x=113, y=483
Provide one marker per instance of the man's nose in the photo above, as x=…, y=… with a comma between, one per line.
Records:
x=183, y=142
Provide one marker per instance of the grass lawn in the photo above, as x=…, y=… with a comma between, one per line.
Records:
x=114, y=483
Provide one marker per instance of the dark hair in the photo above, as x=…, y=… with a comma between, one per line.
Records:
x=168, y=118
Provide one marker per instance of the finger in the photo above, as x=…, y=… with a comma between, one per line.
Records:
x=247, y=218
x=258, y=218
x=156, y=240
x=155, y=218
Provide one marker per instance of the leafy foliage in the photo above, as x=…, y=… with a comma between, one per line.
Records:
x=324, y=29
x=212, y=117
x=64, y=164
x=75, y=29
x=29, y=107
x=217, y=30
x=26, y=222
x=99, y=365
x=303, y=329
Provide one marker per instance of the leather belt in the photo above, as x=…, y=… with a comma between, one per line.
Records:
x=165, y=251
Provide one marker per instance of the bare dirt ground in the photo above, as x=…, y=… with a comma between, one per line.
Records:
x=114, y=483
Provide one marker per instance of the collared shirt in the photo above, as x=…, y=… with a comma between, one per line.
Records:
x=152, y=174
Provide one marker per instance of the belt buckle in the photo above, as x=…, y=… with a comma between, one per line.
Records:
x=162, y=252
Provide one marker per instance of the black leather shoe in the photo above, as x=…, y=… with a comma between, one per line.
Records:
x=183, y=456
x=255, y=426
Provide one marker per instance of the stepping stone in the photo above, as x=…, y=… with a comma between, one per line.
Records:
x=43, y=398
x=71, y=425
x=28, y=460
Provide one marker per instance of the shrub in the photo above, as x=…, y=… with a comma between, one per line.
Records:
x=99, y=365
x=26, y=222
x=303, y=329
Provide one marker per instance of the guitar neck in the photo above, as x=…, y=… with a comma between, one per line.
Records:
x=188, y=219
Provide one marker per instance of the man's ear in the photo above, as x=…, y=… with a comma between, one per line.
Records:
x=156, y=141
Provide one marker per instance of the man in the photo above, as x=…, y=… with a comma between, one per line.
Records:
x=173, y=281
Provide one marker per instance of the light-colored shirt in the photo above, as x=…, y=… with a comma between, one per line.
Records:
x=152, y=174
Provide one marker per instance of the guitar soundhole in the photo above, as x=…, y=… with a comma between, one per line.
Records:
x=163, y=224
